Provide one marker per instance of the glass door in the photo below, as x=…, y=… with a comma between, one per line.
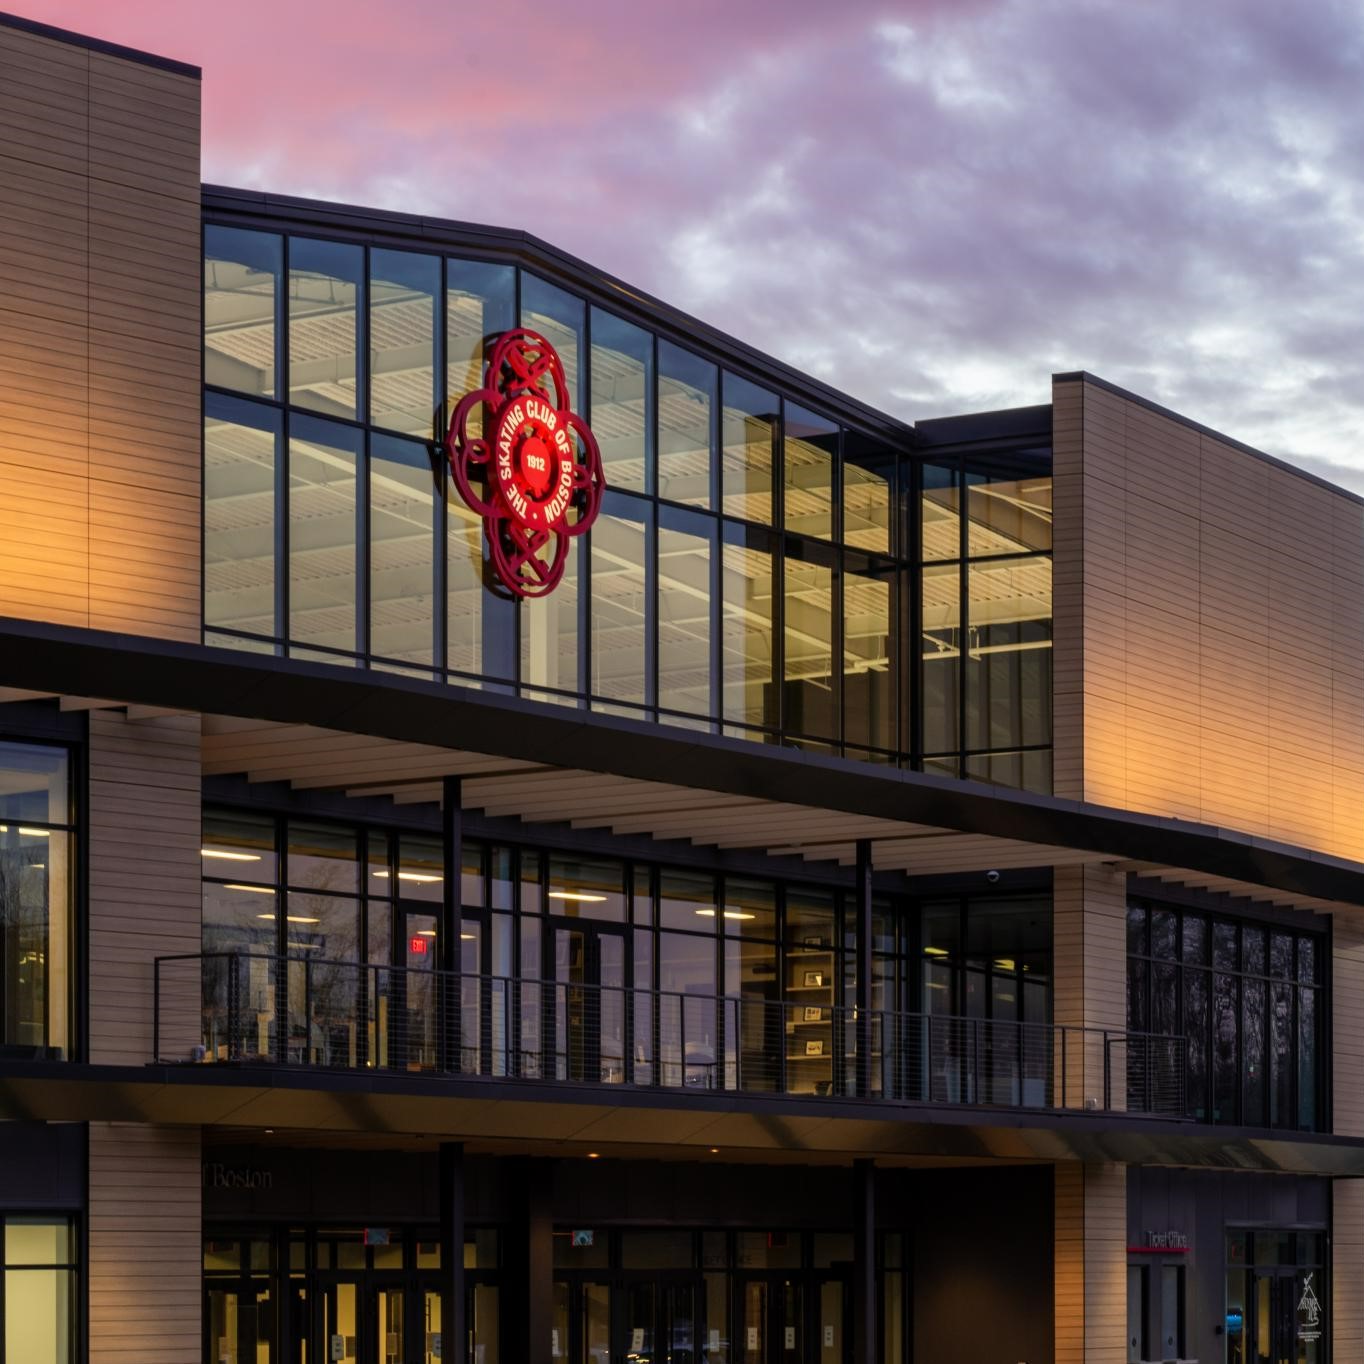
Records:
x=590, y=971
x=389, y=1333
x=772, y=1324
x=415, y=1004
x=832, y=1345
x=1273, y=1315
x=659, y=1323
x=342, y=1339
x=238, y=1323
x=580, y=1331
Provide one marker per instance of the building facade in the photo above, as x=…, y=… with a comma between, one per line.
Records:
x=830, y=891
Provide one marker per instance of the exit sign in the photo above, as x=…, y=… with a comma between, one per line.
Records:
x=417, y=946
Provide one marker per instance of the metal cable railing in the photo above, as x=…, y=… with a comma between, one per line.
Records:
x=242, y=1008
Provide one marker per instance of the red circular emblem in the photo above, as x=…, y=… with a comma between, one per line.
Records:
x=534, y=472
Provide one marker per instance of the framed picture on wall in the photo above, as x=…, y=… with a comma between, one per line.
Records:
x=813, y=941
x=813, y=1013
x=813, y=978
x=815, y=1047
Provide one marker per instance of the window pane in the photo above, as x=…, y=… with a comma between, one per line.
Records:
x=323, y=857
x=38, y=1241
x=481, y=622
x=33, y=784
x=809, y=467
x=38, y=1311
x=35, y=933
x=622, y=399
x=1008, y=498
x=686, y=414
x=1254, y=1058
x=1226, y=1075
x=323, y=463
x=808, y=598
x=1008, y=678
x=746, y=629
x=748, y=431
x=620, y=551
x=241, y=449
x=421, y=869
x=685, y=551
x=402, y=570
x=686, y=900
x=750, y=908
x=550, y=634
x=869, y=691
x=941, y=646
x=1196, y=1029
x=326, y=928
x=402, y=341
x=241, y=290
x=238, y=846
x=558, y=317
x=1281, y=1056
x=868, y=478
x=1307, y=1059
x=480, y=301
x=324, y=293
x=940, y=522
x=239, y=917
x=583, y=888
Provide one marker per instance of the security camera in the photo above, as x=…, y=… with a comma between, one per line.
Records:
x=992, y=877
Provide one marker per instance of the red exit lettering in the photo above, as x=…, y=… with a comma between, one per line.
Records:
x=417, y=946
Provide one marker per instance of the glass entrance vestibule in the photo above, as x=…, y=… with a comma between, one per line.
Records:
x=372, y=1296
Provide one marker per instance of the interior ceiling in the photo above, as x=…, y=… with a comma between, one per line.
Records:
x=310, y=758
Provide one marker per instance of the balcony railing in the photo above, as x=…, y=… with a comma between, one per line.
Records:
x=301, y=1012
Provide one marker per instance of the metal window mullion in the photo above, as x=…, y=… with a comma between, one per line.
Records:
x=440, y=522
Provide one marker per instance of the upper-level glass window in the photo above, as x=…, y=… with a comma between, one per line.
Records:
x=688, y=399
x=325, y=279
x=748, y=436
x=1249, y=1000
x=756, y=570
x=809, y=472
x=403, y=289
x=37, y=887
x=242, y=273
x=623, y=400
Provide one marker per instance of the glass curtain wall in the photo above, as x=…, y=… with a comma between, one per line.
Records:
x=37, y=885
x=1249, y=999
x=986, y=611
x=753, y=572
x=593, y=968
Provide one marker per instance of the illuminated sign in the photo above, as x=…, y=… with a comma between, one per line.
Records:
x=526, y=463
x=417, y=946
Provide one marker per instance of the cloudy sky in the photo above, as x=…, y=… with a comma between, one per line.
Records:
x=933, y=204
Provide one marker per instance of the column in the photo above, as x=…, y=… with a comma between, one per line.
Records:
x=450, y=1162
x=528, y=1298
x=146, y=1244
x=864, y=1263
x=1089, y=971
x=449, y=961
x=1090, y=1276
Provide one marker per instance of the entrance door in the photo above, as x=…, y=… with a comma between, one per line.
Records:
x=590, y=975
x=239, y=1324
x=581, y=1329
x=343, y=1339
x=658, y=1323
x=1273, y=1307
x=832, y=1345
x=772, y=1326
x=364, y=1322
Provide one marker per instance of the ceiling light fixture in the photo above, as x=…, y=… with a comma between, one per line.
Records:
x=229, y=856
x=255, y=890
x=577, y=895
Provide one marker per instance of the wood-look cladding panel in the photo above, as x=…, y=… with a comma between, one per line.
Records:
x=100, y=504
x=146, y=1247
x=145, y=893
x=1090, y=1283
x=1347, y=1269
x=1089, y=978
x=1210, y=643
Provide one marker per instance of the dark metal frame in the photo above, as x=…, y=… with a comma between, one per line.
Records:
x=897, y=566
